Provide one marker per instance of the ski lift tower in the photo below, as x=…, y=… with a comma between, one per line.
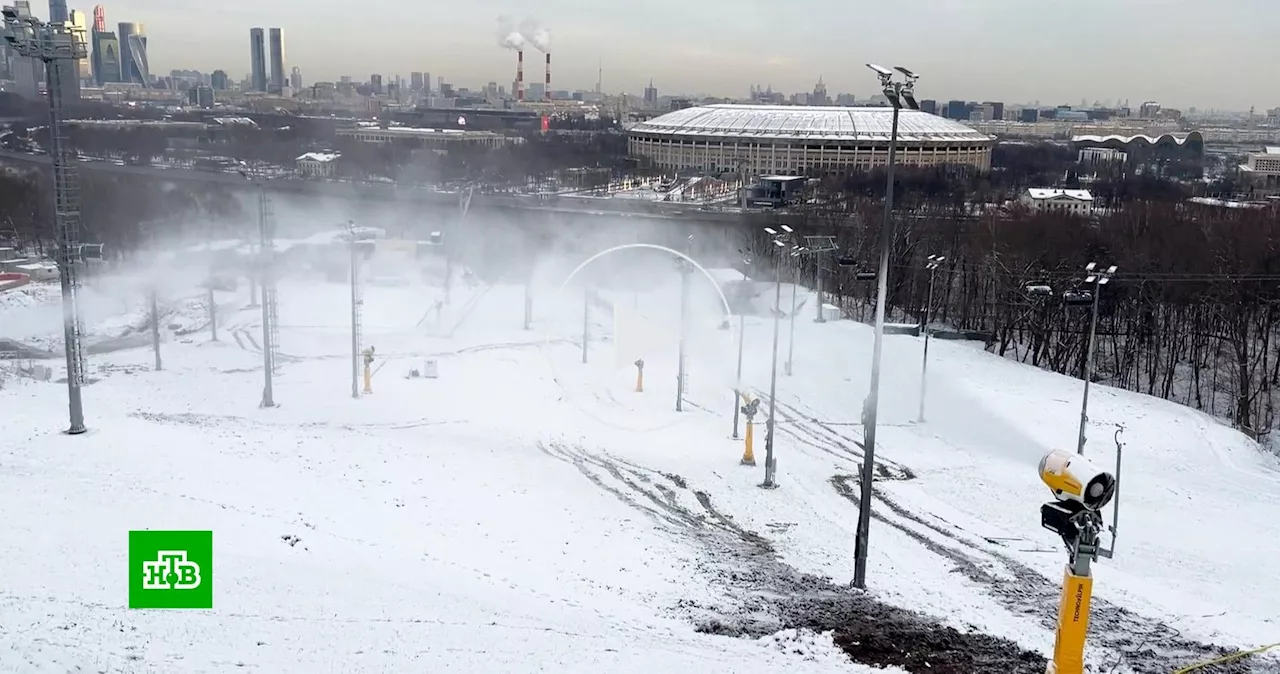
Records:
x=58, y=45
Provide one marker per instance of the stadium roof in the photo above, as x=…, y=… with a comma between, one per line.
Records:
x=796, y=122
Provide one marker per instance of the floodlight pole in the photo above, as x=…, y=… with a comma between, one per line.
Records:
x=934, y=262
x=58, y=47
x=1099, y=278
x=820, y=318
x=896, y=92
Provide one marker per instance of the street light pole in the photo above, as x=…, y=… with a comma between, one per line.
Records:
x=898, y=93
x=1098, y=278
x=934, y=261
x=59, y=46
x=780, y=240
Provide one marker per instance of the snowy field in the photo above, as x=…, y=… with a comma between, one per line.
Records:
x=527, y=512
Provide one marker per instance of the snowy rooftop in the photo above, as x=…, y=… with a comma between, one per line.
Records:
x=808, y=122
x=1039, y=193
x=319, y=156
x=1178, y=139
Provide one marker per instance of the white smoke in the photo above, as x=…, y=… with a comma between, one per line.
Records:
x=508, y=34
x=535, y=34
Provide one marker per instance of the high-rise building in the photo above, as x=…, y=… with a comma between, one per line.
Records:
x=257, y=59
x=415, y=82
x=375, y=83
x=26, y=71
x=133, y=53
x=80, y=23
x=651, y=96
x=58, y=11
x=218, y=80
x=278, y=79
x=295, y=79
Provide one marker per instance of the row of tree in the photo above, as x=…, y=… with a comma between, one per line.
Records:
x=1191, y=315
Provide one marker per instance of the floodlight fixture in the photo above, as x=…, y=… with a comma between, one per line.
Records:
x=909, y=74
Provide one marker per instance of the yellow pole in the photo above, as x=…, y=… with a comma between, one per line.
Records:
x=1073, y=624
x=368, y=380
x=639, y=377
x=748, y=457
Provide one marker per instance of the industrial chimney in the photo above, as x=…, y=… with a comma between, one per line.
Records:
x=546, y=87
x=520, y=75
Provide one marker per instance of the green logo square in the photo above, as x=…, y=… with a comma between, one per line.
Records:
x=171, y=569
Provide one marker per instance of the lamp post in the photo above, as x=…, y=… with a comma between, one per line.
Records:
x=781, y=241
x=898, y=93
x=58, y=45
x=1099, y=278
x=742, y=334
x=795, y=254
x=933, y=262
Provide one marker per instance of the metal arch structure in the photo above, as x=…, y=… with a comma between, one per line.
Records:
x=59, y=46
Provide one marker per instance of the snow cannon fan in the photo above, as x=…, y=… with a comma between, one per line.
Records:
x=1071, y=477
x=1080, y=491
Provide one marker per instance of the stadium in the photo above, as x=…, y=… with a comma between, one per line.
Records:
x=802, y=140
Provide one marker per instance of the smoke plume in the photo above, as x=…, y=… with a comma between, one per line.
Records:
x=533, y=33
x=508, y=34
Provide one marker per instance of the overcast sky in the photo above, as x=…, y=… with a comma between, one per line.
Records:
x=1182, y=53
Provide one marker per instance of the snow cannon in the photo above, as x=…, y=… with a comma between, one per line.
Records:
x=1073, y=478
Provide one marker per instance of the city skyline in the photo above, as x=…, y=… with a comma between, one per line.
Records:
x=984, y=51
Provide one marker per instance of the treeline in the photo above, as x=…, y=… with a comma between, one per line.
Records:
x=116, y=208
x=1191, y=315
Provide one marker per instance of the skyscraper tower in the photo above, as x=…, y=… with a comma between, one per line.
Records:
x=129, y=61
x=58, y=11
x=106, y=50
x=258, y=59
x=279, y=79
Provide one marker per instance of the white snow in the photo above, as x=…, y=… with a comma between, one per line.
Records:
x=453, y=524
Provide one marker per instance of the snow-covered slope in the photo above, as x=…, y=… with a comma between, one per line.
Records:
x=528, y=512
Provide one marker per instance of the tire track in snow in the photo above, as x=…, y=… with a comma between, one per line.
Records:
x=1147, y=645
x=764, y=595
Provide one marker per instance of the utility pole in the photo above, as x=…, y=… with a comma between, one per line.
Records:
x=934, y=261
x=685, y=269
x=898, y=93
x=1098, y=278
x=270, y=333
x=59, y=46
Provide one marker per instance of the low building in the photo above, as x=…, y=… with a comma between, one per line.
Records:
x=1261, y=171
x=318, y=164
x=1053, y=200
x=1094, y=156
x=440, y=139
